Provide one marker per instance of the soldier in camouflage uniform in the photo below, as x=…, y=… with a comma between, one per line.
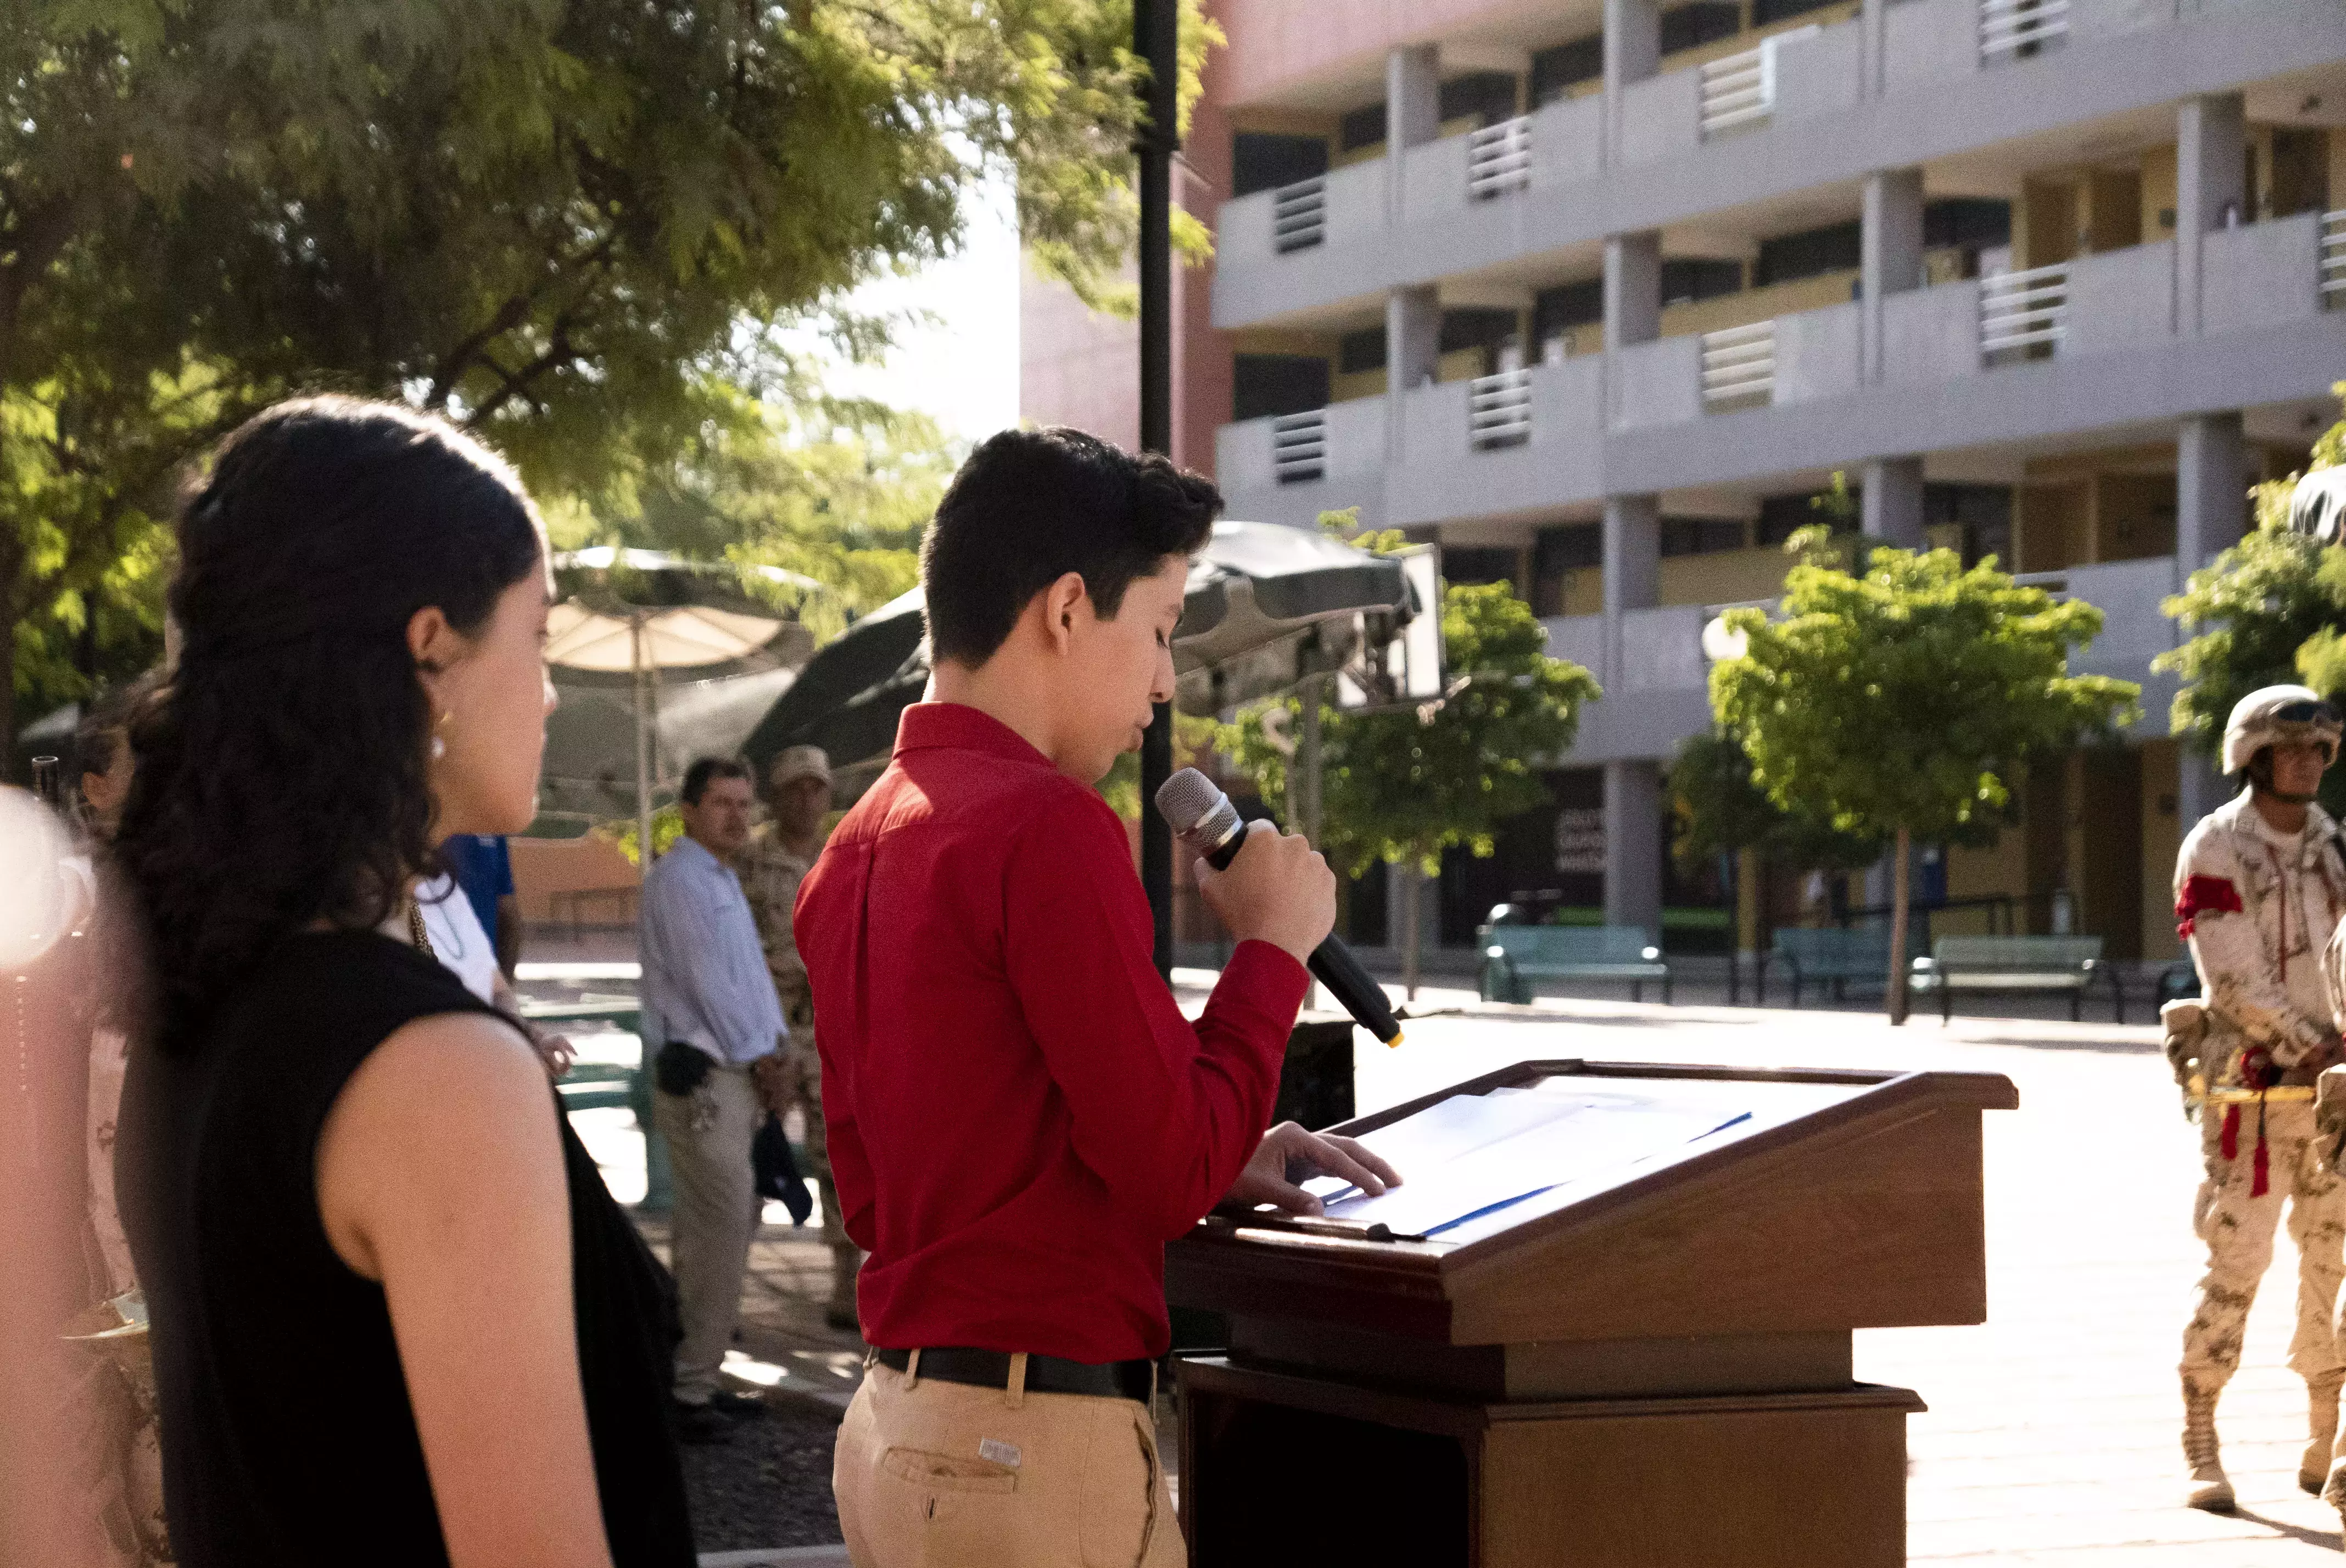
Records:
x=2259, y=888
x=773, y=863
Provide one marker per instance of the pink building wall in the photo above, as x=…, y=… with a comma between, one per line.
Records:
x=1281, y=48
x=1075, y=367
x=1079, y=368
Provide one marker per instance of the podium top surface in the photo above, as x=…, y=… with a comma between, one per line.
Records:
x=1574, y=1199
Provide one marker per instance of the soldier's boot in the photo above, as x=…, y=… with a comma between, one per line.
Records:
x=2207, y=1487
x=2321, y=1435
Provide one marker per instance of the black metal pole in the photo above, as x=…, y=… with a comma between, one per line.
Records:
x=1155, y=38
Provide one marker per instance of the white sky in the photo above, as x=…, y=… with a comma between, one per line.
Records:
x=960, y=369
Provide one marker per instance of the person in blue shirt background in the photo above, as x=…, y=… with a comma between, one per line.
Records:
x=483, y=867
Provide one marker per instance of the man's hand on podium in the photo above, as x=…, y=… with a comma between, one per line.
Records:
x=1289, y=1156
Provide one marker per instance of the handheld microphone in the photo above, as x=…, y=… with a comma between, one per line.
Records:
x=1202, y=817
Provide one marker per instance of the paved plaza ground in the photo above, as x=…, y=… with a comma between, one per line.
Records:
x=2051, y=1436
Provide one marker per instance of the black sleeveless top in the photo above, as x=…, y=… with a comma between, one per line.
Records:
x=286, y=1435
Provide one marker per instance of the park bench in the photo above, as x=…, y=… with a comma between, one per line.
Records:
x=1829, y=955
x=2018, y=964
x=593, y=1084
x=608, y=1079
x=1514, y=957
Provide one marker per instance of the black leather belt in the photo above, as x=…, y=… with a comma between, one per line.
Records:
x=1045, y=1374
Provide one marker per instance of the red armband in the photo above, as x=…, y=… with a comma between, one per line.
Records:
x=2204, y=895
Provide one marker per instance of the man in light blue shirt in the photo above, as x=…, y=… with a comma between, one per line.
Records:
x=707, y=995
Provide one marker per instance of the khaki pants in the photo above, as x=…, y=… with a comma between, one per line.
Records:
x=2238, y=1231
x=946, y=1475
x=708, y=1135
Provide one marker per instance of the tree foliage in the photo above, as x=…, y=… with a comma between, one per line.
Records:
x=1893, y=704
x=566, y=224
x=1193, y=744
x=1721, y=810
x=1900, y=698
x=837, y=492
x=1402, y=786
x=2249, y=615
x=2267, y=611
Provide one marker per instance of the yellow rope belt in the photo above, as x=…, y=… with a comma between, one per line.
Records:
x=2280, y=1095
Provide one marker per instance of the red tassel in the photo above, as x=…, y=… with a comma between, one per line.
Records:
x=2258, y=1184
x=2232, y=1144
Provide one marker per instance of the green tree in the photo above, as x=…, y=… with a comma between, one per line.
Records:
x=2266, y=611
x=835, y=490
x=1721, y=810
x=1193, y=743
x=2250, y=613
x=1892, y=705
x=1403, y=785
x=558, y=223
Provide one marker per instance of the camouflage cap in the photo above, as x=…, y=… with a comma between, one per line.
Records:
x=797, y=762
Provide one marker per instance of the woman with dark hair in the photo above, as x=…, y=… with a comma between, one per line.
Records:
x=396, y=1317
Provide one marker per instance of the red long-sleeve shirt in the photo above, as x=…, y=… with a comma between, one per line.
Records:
x=1019, y=1118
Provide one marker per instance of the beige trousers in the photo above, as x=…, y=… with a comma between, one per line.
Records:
x=708, y=1133
x=2238, y=1231
x=947, y=1475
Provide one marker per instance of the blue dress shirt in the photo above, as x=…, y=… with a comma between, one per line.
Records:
x=705, y=980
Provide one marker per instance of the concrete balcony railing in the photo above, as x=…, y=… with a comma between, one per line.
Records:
x=1790, y=359
x=1499, y=442
x=1499, y=158
x=1971, y=363
x=1499, y=410
x=1305, y=454
x=2018, y=28
x=1661, y=671
x=1346, y=206
x=1580, y=638
x=1796, y=73
x=1783, y=115
x=1661, y=648
x=2133, y=630
x=1933, y=40
x=2265, y=275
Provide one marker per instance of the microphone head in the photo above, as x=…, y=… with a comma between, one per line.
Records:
x=1197, y=809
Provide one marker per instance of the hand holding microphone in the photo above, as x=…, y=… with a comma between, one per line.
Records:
x=1281, y=893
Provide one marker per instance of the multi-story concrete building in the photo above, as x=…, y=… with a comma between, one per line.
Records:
x=1599, y=295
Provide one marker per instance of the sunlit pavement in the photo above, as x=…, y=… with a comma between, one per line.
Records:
x=2052, y=1433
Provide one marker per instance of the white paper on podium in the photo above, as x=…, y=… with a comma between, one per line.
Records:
x=1471, y=1154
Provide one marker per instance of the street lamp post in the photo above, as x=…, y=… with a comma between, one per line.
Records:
x=1155, y=38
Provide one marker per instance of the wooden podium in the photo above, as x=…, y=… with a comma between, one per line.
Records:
x=1644, y=1366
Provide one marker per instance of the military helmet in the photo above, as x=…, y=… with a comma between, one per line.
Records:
x=2278, y=715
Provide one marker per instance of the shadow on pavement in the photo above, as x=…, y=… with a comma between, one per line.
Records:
x=2329, y=1540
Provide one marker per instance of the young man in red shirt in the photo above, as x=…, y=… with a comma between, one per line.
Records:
x=1019, y=1116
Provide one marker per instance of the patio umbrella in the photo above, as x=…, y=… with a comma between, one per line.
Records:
x=699, y=618
x=851, y=689
x=589, y=770
x=1267, y=605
